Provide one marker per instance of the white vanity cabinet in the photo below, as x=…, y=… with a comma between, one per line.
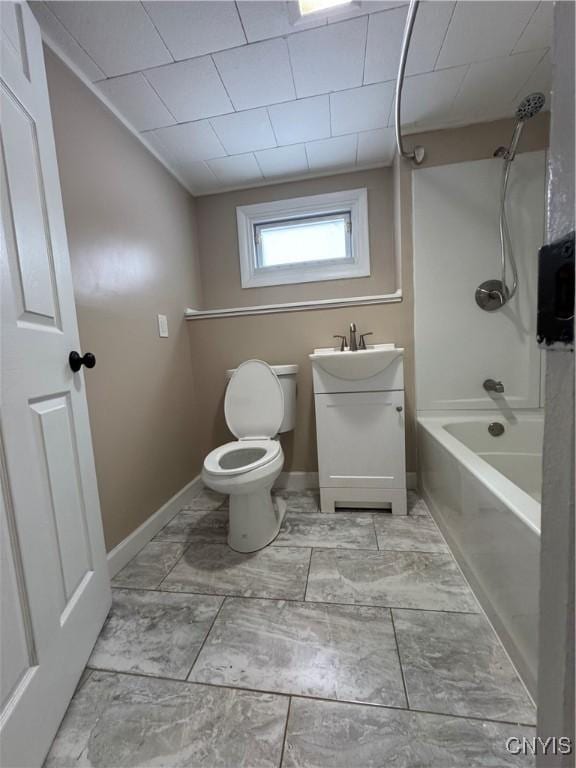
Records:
x=360, y=435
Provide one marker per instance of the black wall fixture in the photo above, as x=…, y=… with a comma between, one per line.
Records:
x=556, y=294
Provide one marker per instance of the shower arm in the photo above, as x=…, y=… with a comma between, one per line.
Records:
x=417, y=154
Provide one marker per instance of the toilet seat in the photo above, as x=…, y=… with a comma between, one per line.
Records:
x=223, y=462
x=254, y=401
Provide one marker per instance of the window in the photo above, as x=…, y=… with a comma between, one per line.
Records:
x=306, y=239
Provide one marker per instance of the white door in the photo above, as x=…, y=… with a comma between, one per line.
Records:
x=361, y=440
x=55, y=587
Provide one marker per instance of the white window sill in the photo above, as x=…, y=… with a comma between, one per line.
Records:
x=298, y=306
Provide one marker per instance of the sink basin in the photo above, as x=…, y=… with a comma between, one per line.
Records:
x=352, y=366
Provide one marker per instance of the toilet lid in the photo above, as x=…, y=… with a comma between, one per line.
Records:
x=254, y=402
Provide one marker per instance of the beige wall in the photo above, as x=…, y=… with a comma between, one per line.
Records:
x=133, y=251
x=289, y=337
x=218, y=241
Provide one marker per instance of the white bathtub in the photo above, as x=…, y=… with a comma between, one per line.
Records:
x=484, y=492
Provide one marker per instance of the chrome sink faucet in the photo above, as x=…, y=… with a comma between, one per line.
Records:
x=353, y=342
x=490, y=385
x=355, y=345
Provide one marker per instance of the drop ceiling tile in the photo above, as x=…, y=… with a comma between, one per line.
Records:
x=283, y=161
x=263, y=19
x=191, y=29
x=119, y=36
x=490, y=87
x=55, y=31
x=240, y=169
x=258, y=74
x=376, y=146
x=137, y=101
x=199, y=177
x=338, y=152
x=302, y=120
x=361, y=109
x=428, y=98
x=540, y=80
x=483, y=30
x=330, y=58
x=385, y=31
x=188, y=142
x=191, y=89
x=244, y=131
x=538, y=31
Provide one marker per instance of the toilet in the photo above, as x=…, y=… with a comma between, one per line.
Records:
x=260, y=403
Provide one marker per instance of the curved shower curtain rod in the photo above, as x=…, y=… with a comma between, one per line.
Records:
x=417, y=154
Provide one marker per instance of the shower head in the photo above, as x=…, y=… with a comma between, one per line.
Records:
x=530, y=106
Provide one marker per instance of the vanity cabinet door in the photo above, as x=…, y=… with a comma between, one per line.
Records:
x=361, y=440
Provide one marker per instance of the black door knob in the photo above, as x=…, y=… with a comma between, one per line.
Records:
x=77, y=361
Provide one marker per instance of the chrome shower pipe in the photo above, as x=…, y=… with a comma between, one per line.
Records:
x=417, y=154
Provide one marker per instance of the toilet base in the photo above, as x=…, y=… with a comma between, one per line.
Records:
x=255, y=519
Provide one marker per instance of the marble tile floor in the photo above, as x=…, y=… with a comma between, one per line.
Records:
x=352, y=642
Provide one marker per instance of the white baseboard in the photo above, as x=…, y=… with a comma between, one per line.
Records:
x=132, y=544
x=301, y=481
x=297, y=481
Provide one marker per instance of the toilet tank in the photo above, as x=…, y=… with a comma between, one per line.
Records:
x=287, y=377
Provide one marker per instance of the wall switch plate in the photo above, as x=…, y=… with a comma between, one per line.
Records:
x=163, y=326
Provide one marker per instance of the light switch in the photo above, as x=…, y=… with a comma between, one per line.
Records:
x=162, y=326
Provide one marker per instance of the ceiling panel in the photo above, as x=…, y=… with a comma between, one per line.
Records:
x=330, y=58
x=240, y=169
x=257, y=75
x=263, y=19
x=376, y=146
x=490, y=87
x=538, y=31
x=283, y=161
x=191, y=89
x=194, y=28
x=244, y=131
x=429, y=97
x=332, y=153
x=137, y=101
x=302, y=120
x=385, y=31
x=199, y=177
x=540, y=80
x=481, y=30
x=59, y=35
x=361, y=109
x=118, y=36
x=188, y=141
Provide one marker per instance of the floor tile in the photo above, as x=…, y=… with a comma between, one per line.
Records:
x=454, y=664
x=216, y=569
x=196, y=526
x=309, y=529
x=150, y=566
x=327, y=734
x=409, y=533
x=300, y=501
x=206, y=500
x=121, y=720
x=333, y=651
x=416, y=504
x=394, y=579
x=154, y=633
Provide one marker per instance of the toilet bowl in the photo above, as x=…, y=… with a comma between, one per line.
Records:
x=258, y=405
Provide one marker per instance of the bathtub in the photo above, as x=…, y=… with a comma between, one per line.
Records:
x=484, y=493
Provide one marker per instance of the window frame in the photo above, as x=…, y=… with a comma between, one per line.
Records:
x=353, y=202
